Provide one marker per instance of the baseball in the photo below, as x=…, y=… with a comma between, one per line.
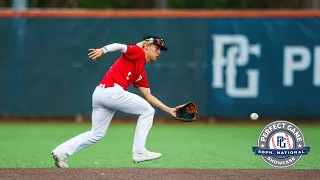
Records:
x=254, y=116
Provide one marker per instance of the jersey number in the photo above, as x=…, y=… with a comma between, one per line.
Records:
x=129, y=73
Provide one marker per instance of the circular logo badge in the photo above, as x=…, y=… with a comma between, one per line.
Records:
x=281, y=144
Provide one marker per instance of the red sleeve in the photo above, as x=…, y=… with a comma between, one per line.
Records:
x=133, y=52
x=142, y=81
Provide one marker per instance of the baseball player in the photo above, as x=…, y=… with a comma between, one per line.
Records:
x=111, y=95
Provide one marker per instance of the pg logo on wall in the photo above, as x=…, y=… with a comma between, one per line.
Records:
x=229, y=53
x=281, y=144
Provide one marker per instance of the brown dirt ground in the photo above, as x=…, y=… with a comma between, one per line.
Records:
x=163, y=174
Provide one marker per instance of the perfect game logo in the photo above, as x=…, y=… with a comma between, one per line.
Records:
x=281, y=144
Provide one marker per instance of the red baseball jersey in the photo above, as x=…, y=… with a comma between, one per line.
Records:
x=129, y=68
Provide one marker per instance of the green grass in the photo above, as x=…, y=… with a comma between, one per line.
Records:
x=29, y=146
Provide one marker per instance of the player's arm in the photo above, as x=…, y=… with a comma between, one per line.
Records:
x=114, y=47
x=146, y=93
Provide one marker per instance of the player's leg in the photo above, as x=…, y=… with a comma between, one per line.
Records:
x=101, y=118
x=146, y=114
x=133, y=104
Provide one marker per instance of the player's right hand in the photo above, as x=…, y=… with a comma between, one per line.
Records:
x=95, y=53
x=172, y=111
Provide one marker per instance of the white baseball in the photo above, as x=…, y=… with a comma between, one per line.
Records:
x=254, y=116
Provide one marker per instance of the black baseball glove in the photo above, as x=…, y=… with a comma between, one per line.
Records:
x=187, y=112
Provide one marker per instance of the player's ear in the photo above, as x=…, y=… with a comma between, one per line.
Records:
x=147, y=46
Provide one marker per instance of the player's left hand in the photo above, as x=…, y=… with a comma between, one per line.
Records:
x=95, y=53
x=187, y=112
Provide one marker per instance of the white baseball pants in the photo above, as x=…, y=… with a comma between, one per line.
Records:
x=105, y=102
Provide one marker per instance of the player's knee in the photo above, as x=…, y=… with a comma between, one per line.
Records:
x=150, y=111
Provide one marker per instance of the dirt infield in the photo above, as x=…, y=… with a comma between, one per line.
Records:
x=163, y=174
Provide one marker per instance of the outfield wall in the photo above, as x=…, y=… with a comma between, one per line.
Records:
x=229, y=62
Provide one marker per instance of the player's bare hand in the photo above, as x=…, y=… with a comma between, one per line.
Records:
x=95, y=53
x=172, y=111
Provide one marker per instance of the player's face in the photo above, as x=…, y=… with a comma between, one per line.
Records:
x=153, y=52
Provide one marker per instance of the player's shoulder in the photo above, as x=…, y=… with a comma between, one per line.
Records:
x=134, y=47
